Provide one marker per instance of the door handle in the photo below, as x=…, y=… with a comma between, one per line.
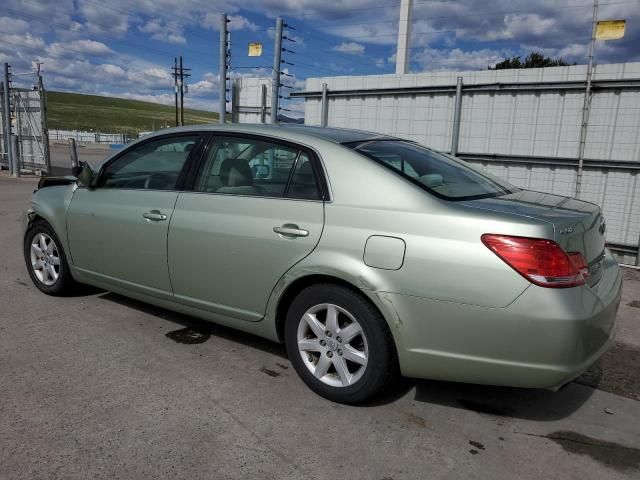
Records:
x=155, y=215
x=291, y=230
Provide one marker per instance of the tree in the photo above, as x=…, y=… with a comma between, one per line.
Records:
x=533, y=60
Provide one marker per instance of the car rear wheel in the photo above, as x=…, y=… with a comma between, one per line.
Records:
x=339, y=344
x=46, y=261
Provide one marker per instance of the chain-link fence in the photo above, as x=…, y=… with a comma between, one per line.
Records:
x=81, y=136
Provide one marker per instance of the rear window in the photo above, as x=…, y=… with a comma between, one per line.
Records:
x=443, y=175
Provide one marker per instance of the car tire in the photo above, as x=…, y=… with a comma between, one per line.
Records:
x=46, y=261
x=350, y=370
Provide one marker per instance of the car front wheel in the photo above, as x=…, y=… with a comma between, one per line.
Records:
x=46, y=261
x=339, y=344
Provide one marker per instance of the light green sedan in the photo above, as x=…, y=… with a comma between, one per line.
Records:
x=368, y=256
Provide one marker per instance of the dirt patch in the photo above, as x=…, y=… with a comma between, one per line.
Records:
x=477, y=445
x=415, y=420
x=619, y=457
x=271, y=373
x=189, y=336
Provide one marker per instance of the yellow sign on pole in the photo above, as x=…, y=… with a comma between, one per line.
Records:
x=610, y=29
x=255, y=49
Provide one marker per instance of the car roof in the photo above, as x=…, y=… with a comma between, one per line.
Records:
x=338, y=135
x=291, y=131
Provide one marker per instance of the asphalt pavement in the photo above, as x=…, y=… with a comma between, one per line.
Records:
x=100, y=386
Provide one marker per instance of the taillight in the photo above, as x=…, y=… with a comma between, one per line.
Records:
x=540, y=261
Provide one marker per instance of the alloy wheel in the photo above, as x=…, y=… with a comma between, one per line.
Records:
x=332, y=345
x=45, y=259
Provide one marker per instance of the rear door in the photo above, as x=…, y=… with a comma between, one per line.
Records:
x=118, y=230
x=256, y=209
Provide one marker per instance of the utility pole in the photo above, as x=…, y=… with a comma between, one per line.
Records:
x=275, y=79
x=181, y=93
x=223, y=68
x=180, y=88
x=175, y=86
x=404, y=34
x=455, y=136
x=586, y=107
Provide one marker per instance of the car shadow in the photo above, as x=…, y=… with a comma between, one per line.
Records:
x=523, y=403
x=83, y=290
x=201, y=326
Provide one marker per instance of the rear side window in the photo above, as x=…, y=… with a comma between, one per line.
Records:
x=445, y=176
x=303, y=182
x=256, y=167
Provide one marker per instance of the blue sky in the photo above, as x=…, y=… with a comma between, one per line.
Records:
x=126, y=48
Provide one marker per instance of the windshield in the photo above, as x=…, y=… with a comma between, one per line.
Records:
x=445, y=176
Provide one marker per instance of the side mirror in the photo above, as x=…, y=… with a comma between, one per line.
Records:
x=84, y=173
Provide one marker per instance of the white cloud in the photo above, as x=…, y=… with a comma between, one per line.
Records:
x=457, y=59
x=104, y=19
x=89, y=47
x=515, y=26
x=13, y=25
x=21, y=46
x=236, y=22
x=168, y=32
x=350, y=48
x=113, y=71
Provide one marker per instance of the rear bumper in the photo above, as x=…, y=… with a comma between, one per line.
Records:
x=544, y=339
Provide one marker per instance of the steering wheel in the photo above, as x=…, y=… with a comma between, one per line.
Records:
x=159, y=181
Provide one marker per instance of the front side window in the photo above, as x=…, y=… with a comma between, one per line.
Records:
x=154, y=165
x=443, y=175
x=257, y=167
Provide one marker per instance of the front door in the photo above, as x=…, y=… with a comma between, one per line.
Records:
x=256, y=210
x=118, y=230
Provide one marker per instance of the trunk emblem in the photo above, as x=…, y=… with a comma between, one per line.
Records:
x=566, y=230
x=603, y=226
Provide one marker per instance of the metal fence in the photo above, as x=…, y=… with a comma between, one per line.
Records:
x=88, y=137
x=251, y=100
x=24, y=110
x=523, y=125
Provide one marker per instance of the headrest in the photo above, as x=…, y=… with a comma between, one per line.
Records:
x=235, y=172
x=432, y=180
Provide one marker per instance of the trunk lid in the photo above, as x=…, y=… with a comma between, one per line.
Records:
x=578, y=225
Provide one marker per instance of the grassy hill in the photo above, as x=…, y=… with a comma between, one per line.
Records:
x=72, y=111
